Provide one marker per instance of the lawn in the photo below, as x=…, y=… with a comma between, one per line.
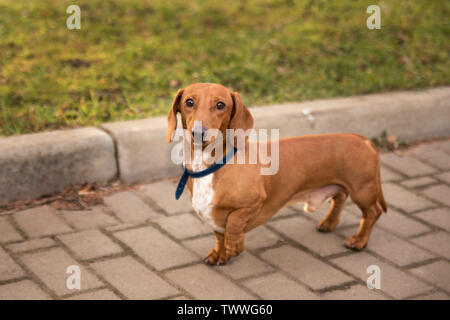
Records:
x=130, y=57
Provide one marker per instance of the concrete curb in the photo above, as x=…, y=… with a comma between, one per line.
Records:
x=43, y=163
x=427, y=112
x=142, y=150
x=36, y=164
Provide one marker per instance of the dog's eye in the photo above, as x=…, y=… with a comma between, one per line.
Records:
x=189, y=103
x=220, y=105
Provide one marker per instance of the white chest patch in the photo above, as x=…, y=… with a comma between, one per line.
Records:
x=203, y=194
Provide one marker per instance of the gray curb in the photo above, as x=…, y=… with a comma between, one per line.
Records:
x=37, y=164
x=43, y=163
x=142, y=151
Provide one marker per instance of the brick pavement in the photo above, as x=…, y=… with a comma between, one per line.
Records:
x=142, y=244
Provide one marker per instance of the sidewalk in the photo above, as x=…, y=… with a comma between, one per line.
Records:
x=142, y=244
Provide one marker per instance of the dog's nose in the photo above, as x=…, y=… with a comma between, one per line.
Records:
x=199, y=133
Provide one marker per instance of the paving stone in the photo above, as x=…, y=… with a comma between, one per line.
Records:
x=356, y=292
x=442, y=145
x=304, y=267
x=304, y=232
x=392, y=247
x=393, y=281
x=354, y=210
x=389, y=175
x=444, y=177
x=203, y=282
x=406, y=164
x=418, y=182
x=184, y=226
x=40, y=222
x=260, y=237
x=298, y=207
x=432, y=155
x=400, y=224
x=133, y=279
x=102, y=294
x=90, y=244
x=128, y=207
x=89, y=219
x=7, y=232
x=437, y=295
x=8, y=268
x=22, y=290
x=243, y=266
x=440, y=193
x=439, y=217
x=346, y=219
x=239, y=267
x=437, y=273
x=31, y=245
x=404, y=199
x=156, y=248
x=124, y=226
x=277, y=286
x=438, y=243
x=180, y=298
x=285, y=212
x=201, y=246
x=163, y=193
x=51, y=266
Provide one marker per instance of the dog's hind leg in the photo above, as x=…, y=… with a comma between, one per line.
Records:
x=331, y=220
x=370, y=212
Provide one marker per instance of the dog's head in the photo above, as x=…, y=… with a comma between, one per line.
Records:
x=214, y=105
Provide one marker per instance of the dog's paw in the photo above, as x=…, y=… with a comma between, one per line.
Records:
x=355, y=243
x=327, y=225
x=234, y=248
x=216, y=258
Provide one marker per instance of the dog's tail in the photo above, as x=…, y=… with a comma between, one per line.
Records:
x=380, y=200
x=381, y=203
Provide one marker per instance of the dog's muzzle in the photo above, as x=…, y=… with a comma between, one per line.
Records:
x=199, y=134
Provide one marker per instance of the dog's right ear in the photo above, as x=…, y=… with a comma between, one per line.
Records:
x=172, y=118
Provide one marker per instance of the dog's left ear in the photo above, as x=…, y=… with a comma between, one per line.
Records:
x=241, y=118
x=172, y=118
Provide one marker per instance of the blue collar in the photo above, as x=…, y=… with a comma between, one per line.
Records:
x=199, y=174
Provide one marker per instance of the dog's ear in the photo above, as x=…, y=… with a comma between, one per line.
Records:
x=172, y=117
x=241, y=118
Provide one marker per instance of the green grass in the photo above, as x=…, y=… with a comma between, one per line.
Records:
x=130, y=57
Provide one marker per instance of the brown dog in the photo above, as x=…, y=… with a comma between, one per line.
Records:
x=312, y=169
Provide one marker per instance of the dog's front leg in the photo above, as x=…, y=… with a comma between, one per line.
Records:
x=234, y=230
x=217, y=256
